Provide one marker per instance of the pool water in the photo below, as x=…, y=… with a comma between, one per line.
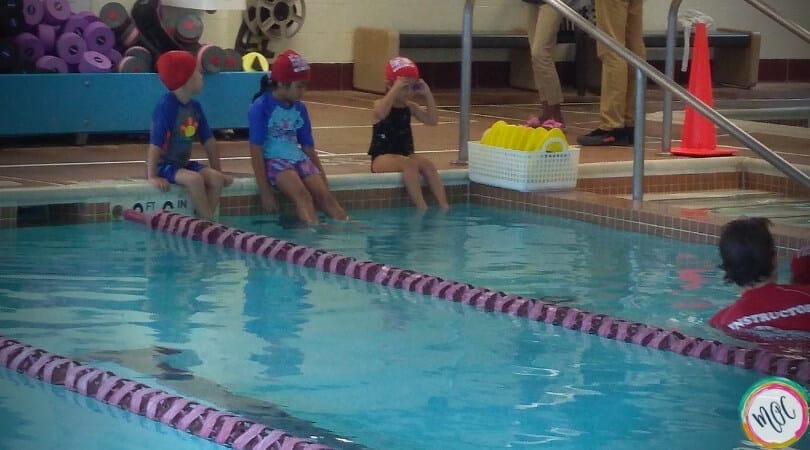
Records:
x=779, y=208
x=38, y=415
x=660, y=282
x=358, y=365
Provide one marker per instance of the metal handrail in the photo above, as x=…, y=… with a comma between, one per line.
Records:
x=790, y=25
x=643, y=68
x=669, y=70
x=759, y=148
x=639, y=136
x=466, y=76
x=669, y=62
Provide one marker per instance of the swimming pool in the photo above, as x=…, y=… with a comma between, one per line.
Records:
x=795, y=112
x=634, y=276
x=732, y=203
x=379, y=368
x=40, y=415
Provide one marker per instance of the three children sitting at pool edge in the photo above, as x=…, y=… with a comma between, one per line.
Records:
x=764, y=309
x=283, y=155
x=280, y=135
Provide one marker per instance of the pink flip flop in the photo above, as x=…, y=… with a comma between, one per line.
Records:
x=551, y=123
x=533, y=121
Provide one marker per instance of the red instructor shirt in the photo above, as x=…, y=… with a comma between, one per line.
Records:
x=783, y=307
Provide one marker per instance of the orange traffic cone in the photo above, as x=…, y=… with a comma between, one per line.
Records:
x=699, y=135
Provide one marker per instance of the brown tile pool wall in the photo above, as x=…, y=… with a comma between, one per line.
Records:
x=695, y=182
x=774, y=183
x=684, y=224
x=351, y=199
x=8, y=216
x=594, y=202
x=55, y=214
x=664, y=183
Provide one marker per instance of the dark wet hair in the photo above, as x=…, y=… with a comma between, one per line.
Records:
x=266, y=84
x=747, y=251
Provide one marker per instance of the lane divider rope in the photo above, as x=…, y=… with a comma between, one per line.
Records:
x=602, y=325
x=173, y=410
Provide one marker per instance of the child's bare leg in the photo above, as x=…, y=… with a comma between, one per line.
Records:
x=195, y=185
x=410, y=175
x=290, y=184
x=434, y=180
x=214, y=182
x=324, y=199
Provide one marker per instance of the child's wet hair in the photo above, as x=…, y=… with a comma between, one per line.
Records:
x=267, y=84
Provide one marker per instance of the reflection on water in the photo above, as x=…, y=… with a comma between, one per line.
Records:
x=386, y=368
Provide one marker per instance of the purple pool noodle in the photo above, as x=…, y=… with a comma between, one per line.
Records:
x=94, y=62
x=33, y=12
x=75, y=24
x=47, y=35
x=89, y=16
x=183, y=414
x=29, y=46
x=50, y=63
x=70, y=47
x=56, y=11
x=99, y=37
x=114, y=57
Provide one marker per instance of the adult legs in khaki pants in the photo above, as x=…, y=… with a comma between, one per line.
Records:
x=543, y=22
x=622, y=20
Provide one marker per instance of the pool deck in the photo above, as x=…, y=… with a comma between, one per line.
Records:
x=342, y=122
x=51, y=170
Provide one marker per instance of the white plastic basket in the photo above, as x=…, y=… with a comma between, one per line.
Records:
x=523, y=171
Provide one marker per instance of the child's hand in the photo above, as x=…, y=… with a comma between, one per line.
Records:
x=159, y=182
x=400, y=84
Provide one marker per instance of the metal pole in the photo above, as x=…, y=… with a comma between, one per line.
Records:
x=760, y=149
x=669, y=71
x=791, y=26
x=466, y=75
x=638, y=138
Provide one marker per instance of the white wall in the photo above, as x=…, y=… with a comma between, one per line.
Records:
x=327, y=32
x=777, y=42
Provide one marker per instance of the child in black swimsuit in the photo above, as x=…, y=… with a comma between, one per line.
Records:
x=391, y=146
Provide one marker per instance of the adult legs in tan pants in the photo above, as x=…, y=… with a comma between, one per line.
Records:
x=543, y=22
x=622, y=20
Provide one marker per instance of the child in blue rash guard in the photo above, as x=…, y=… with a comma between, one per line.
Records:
x=176, y=121
x=282, y=148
